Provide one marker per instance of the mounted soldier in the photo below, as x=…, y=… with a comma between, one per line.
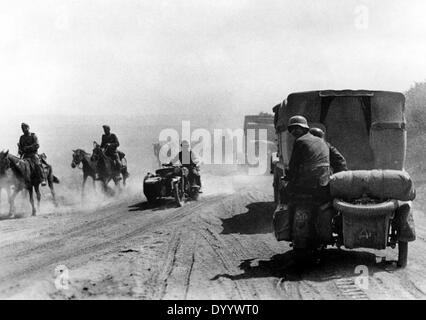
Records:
x=110, y=144
x=28, y=146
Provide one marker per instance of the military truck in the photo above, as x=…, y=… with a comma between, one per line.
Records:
x=368, y=128
x=262, y=121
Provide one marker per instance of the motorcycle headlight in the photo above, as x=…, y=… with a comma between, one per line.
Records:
x=185, y=171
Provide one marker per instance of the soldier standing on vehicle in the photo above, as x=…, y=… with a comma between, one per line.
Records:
x=28, y=146
x=309, y=166
x=337, y=160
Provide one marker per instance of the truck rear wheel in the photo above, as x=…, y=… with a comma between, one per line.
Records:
x=402, y=254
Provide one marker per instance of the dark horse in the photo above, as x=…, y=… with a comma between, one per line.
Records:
x=89, y=166
x=25, y=177
x=106, y=168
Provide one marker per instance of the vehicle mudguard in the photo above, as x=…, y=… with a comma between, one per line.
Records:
x=324, y=222
x=303, y=225
x=281, y=223
x=404, y=222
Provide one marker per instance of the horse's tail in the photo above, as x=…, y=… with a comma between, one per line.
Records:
x=55, y=179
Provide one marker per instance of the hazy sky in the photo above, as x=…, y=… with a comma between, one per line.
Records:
x=153, y=56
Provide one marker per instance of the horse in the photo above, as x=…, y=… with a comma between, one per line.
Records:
x=107, y=170
x=7, y=180
x=89, y=167
x=25, y=177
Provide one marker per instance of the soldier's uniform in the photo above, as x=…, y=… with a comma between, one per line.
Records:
x=110, y=144
x=337, y=160
x=28, y=149
x=189, y=161
x=309, y=167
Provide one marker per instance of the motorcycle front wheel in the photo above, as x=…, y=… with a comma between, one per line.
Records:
x=178, y=195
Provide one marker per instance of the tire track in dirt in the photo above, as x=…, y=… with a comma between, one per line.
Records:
x=53, y=252
x=350, y=290
x=220, y=247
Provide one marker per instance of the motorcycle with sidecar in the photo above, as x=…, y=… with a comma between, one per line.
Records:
x=170, y=181
x=370, y=204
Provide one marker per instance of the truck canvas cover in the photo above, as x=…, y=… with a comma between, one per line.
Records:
x=368, y=127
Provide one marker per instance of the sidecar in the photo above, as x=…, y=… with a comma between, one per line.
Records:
x=161, y=184
x=371, y=206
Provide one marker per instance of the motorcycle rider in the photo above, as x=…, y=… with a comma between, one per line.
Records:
x=337, y=160
x=28, y=146
x=309, y=165
x=109, y=143
x=189, y=160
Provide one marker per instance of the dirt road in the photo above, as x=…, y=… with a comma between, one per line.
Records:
x=220, y=247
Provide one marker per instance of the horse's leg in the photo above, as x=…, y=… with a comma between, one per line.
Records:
x=123, y=174
x=8, y=191
x=108, y=191
x=82, y=187
x=52, y=190
x=117, y=184
x=12, y=202
x=30, y=191
x=37, y=190
x=105, y=183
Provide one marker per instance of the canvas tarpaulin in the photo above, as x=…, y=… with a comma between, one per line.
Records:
x=381, y=184
x=368, y=127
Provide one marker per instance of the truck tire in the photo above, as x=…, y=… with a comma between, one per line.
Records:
x=402, y=254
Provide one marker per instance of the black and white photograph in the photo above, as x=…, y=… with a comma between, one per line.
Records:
x=228, y=151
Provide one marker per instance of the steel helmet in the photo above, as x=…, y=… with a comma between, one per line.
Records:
x=317, y=132
x=299, y=121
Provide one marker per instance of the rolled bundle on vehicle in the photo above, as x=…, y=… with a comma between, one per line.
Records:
x=380, y=184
